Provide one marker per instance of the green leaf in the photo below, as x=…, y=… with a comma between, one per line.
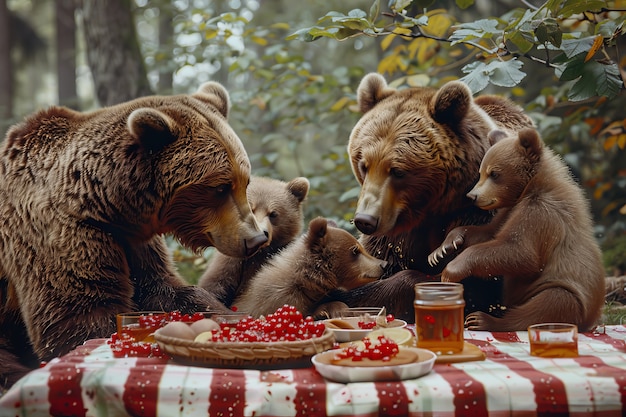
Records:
x=553, y=6
x=573, y=47
x=358, y=13
x=477, y=77
x=541, y=32
x=596, y=79
x=506, y=73
x=571, y=7
x=303, y=34
x=496, y=72
x=521, y=41
x=573, y=68
x=374, y=11
x=483, y=28
x=464, y=4
x=399, y=5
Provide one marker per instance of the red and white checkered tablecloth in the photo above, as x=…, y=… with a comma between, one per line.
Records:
x=90, y=382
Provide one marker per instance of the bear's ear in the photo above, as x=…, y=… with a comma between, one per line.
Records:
x=317, y=230
x=451, y=103
x=152, y=129
x=531, y=142
x=299, y=187
x=372, y=89
x=216, y=95
x=495, y=136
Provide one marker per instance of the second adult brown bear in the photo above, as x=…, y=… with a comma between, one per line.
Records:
x=540, y=241
x=416, y=153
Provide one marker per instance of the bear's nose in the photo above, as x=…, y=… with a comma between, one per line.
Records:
x=471, y=196
x=366, y=223
x=254, y=244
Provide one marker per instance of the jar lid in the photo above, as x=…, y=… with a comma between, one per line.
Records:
x=438, y=291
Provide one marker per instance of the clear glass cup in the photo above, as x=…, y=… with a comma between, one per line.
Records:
x=139, y=326
x=553, y=340
x=439, y=317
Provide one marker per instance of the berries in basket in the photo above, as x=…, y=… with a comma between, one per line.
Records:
x=283, y=339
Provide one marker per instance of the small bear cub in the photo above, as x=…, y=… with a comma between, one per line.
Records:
x=278, y=209
x=540, y=241
x=325, y=258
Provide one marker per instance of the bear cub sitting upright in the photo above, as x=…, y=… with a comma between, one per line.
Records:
x=277, y=207
x=323, y=259
x=540, y=241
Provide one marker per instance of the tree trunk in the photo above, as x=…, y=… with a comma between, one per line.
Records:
x=113, y=52
x=6, y=70
x=66, y=53
x=166, y=33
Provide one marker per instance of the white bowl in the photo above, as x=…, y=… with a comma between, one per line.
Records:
x=338, y=373
x=349, y=335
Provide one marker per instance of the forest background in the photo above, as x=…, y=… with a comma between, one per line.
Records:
x=292, y=68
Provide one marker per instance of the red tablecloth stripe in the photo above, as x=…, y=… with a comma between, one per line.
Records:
x=310, y=397
x=227, y=399
x=619, y=344
x=393, y=398
x=141, y=389
x=470, y=398
x=65, y=392
x=602, y=369
x=550, y=394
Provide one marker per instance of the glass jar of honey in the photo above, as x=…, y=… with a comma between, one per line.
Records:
x=439, y=317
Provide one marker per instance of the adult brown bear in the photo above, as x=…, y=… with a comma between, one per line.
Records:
x=85, y=199
x=416, y=154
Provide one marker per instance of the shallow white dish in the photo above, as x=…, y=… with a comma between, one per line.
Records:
x=338, y=373
x=349, y=335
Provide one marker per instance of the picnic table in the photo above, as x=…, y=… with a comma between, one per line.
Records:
x=89, y=381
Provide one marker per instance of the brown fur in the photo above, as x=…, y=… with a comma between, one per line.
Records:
x=85, y=199
x=323, y=259
x=416, y=153
x=277, y=206
x=541, y=240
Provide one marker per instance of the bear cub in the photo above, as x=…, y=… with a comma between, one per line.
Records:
x=277, y=206
x=540, y=240
x=325, y=258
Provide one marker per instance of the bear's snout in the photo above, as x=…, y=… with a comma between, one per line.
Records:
x=254, y=244
x=366, y=223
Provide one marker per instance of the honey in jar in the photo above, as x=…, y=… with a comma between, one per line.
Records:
x=439, y=317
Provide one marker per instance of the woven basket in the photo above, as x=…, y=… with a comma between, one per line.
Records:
x=253, y=355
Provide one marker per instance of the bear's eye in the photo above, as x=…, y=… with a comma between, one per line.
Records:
x=397, y=173
x=273, y=214
x=494, y=175
x=355, y=250
x=222, y=189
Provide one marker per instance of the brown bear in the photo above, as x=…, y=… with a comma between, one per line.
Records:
x=326, y=257
x=416, y=153
x=85, y=201
x=540, y=240
x=277, y=206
